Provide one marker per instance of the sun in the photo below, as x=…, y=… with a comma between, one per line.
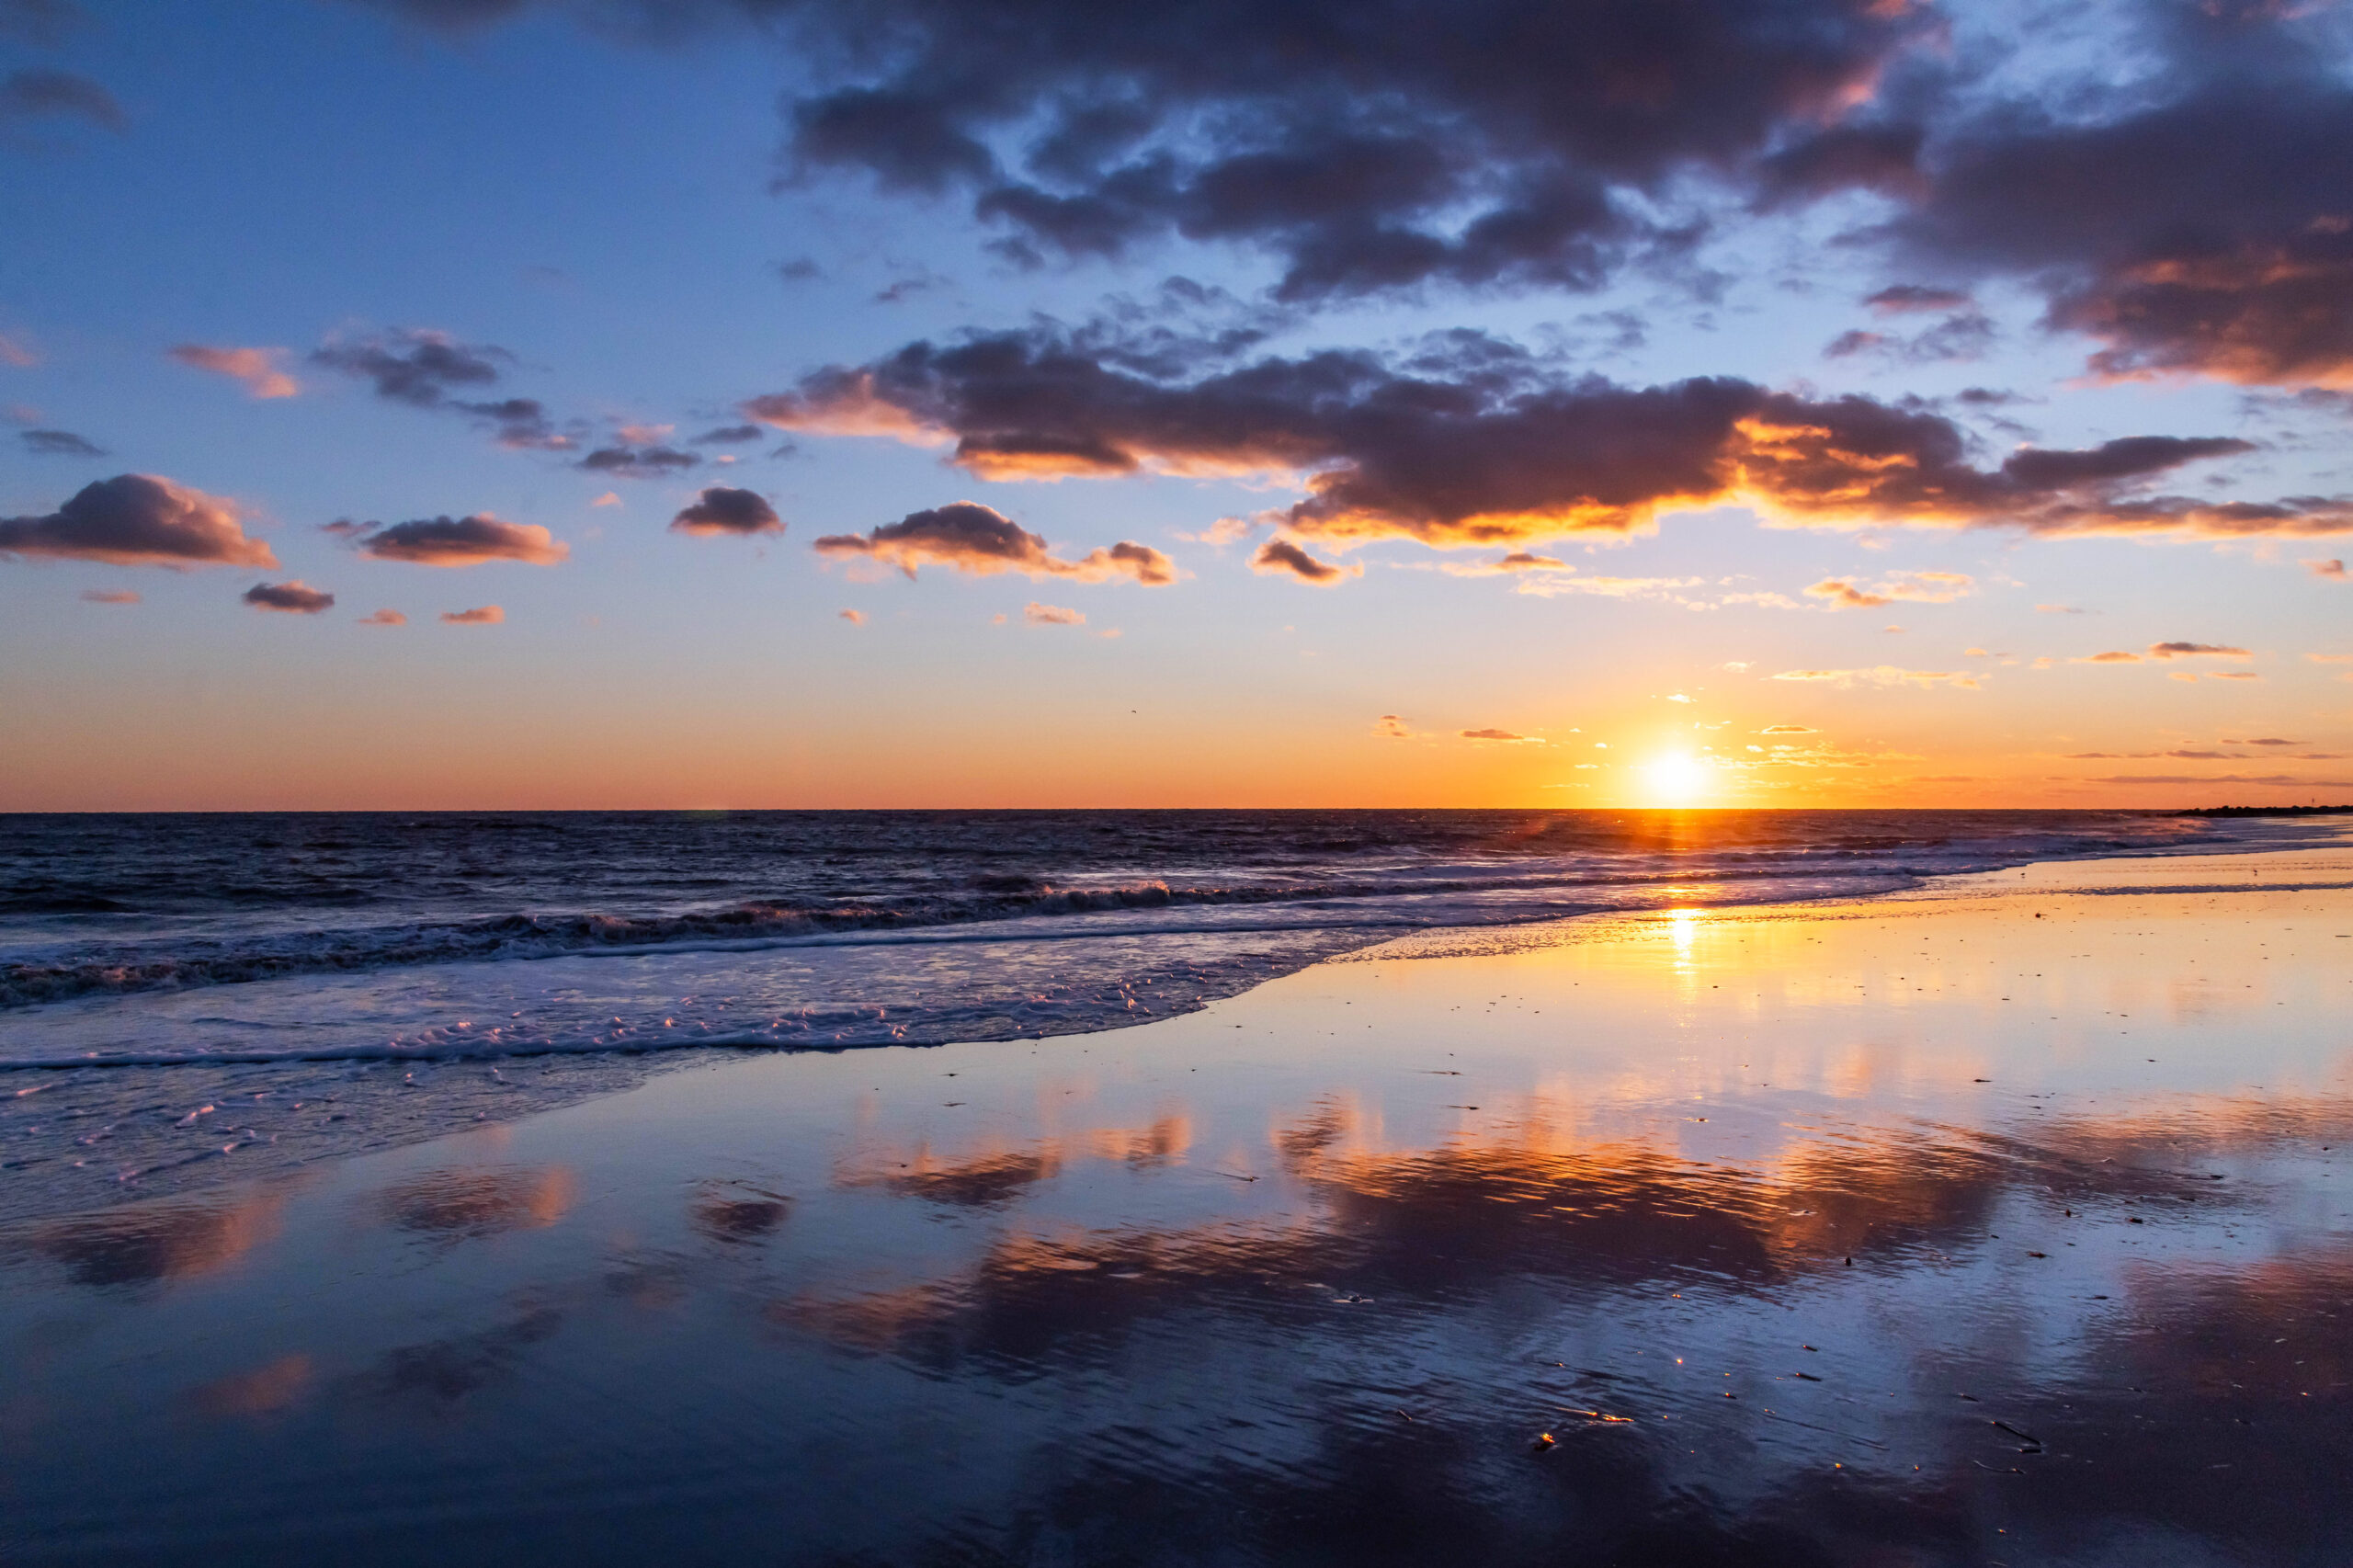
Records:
x=1678, y=778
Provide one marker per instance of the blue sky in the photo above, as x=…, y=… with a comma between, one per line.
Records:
x=610, y=223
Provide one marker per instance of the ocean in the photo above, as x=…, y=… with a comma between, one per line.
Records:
x=186, y=998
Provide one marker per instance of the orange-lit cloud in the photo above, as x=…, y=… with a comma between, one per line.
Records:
x=385, y=617
x=454, y=542
x=486, y=615
x=1280, y=556
x=138, y=519
x=108, y=597
x=1493, y=448
x=295, y=598
x=259, y=368
x=1037, y=614
x=1882, y=675
x=980, y=539
x=719, y=510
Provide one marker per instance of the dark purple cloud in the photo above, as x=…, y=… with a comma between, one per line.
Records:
x=33, y=94
x=138, y=519
x=1475, y=442
x=1280, y=556
x=417, y=366
x=1368, y=146
x=980, y=539
x=454, y=542
x=60, y=444
x=730, y=436
x=638, y=462
x=296, y=597
x=719, y=510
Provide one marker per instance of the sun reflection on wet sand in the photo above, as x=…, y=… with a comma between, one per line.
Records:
x=1919, y=1230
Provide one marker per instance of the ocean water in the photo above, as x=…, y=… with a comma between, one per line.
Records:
x=185, y=998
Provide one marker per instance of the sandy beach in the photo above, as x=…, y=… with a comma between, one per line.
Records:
x=1998, y=1223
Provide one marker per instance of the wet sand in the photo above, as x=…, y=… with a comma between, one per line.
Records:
x=2002, y=1223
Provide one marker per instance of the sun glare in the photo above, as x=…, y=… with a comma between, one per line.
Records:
x=1678, y=778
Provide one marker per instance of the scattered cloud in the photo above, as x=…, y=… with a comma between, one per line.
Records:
x=980, y=539
x=610, y=498
x=1787, y=730
x=2114, y=656
x=1392, y=727
x=259, y=368
x=638, y=462
x=730, y=436
x=719, y=510
x=486, y=615
x=296, y=597
x=2333, y=570
x=1505, y=736
x=2059, y=610
x=108, y=597
x=1036, y=613
x=854, y=617
x=60, y=444
x=417, y=366
x=1900, y=298
x=138, y=519
x=385, y=617
x=41, y=94
x=1506, y=565
x=1281, y=555
x=454, y=542
x=2195, y=650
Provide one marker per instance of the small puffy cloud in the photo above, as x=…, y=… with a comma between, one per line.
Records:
x=259, y=369
x=1906, y=297
x=2195, y=650
x=2233, y=674
x=28, y=95
x=2274, y=741
x=719, y=510
x=1037, y=614
x=980, y=539
x=138, y=519
x=108, y=597
x=1787, y=730
x=1392, y=727
x=1279, y=556
x=1517, y=561
x=60, y=444
x=1843, y=594
x=417, y=366
x=296, y=597
x=454, y=542
x=2115, y=656
x=610, y=498
x=730, y=436
x=2330, y=569
x=638, y=462
x=1918, y=587
x=487, y=615
x=2330, y=658
x=1679, y=696
x=385, y=617
x=854, y=617
x=1506, y=736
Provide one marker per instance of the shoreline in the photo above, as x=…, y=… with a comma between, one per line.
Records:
x=437, y=1090
x=1765, y=1216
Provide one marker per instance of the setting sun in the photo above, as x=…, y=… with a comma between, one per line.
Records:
x=1679, y=778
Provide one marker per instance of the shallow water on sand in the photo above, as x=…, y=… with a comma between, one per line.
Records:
x=1999, y=1223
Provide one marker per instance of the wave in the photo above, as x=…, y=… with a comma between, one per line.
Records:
x=1498, y=888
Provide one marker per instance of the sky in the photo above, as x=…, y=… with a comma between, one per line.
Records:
x=412, y=405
